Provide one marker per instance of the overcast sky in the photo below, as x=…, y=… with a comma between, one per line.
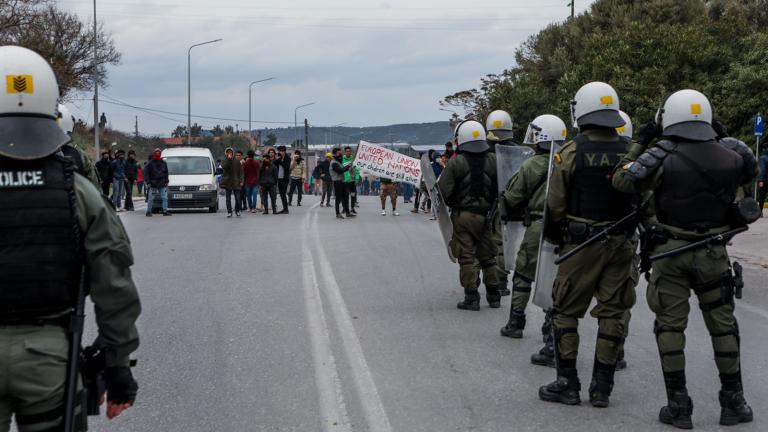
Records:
x=364, y=63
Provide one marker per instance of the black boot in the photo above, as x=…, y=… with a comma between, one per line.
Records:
x=493, y=296
x=546, y=355
x=515, y=326
x=734, y=408
x=504, y=286
x=471, y=301
x=621, y=364
x=546, y=326
x=602, y=384
x=565, y=389
x=679, y=407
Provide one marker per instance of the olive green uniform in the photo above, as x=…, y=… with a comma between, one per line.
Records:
x=525, y=193
x=706, y=271
x=605, y=270
x=472, y=234
x=34, y=358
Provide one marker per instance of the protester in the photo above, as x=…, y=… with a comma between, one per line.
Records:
x=325, y=180
x=104, y=169
x=232, y=180
x=449, y=153
x=240, y=157
x=283, y=176
x=156, y=177
x=131, y=173
x=350, y=179
x=388, y=189
x=338, y=170
x=298, y=171
x=762, y=182
x=267, y=181
x=118, y=179
x=251, y=169
x=139, y=179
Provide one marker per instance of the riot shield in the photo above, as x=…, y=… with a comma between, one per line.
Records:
x=441, y=211
x=509, y=159
x=546, y=269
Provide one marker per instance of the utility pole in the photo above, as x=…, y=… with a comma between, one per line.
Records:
x=573, y=8
x=95, y=84
x=306, y=136
x=136, y=128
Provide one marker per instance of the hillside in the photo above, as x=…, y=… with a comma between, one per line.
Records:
x=412, y=133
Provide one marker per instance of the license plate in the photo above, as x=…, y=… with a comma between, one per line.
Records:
x=182, y=196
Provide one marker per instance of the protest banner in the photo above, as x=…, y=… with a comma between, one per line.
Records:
x=381, y=162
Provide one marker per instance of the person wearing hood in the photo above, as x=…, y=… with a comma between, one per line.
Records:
x=131, y=173
x=325, y=176
x=156, y=179
x=267, y=181
x=232, y=180
x=118, y=178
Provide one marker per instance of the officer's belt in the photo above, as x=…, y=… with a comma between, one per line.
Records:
x=574, y=234
x=62, y=321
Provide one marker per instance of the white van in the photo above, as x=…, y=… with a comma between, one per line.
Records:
x=191, y=179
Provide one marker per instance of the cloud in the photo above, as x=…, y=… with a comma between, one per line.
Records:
x=363, y=62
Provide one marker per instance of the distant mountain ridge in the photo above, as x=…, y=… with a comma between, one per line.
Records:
x=434, y=133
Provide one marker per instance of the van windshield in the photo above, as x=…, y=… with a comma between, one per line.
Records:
x=185, y=165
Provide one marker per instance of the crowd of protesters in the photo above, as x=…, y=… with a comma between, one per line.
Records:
x=252, y=182
x=118, y=175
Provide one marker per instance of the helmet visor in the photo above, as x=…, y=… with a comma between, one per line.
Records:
x=30, y=137
x=532, y=134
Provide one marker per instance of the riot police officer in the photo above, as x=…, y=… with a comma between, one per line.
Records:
x=468, y=184
x=499, y=126
x=524, y=196
x=691, y=179
x=57, y=229
x=83, y=163
x=581, y=203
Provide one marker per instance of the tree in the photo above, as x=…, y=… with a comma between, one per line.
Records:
x=271, y=140
x=645, y=50
x=61, y=38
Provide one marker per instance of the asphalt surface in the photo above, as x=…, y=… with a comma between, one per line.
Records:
x=303, y=322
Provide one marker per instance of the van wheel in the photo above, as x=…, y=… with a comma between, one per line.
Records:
x=214, y=209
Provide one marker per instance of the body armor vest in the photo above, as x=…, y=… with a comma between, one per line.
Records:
x=698, y=186
x=467, y=197
x=40, y=252
x=591, y=194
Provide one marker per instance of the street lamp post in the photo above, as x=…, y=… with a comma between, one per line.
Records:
x=295, y=122
x=331, y=130
x=95, y=84
x=189, y=88
x=250, y=87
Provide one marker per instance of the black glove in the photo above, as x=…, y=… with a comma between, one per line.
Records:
x=121, y=387
x=648, y=132
x=720, y=129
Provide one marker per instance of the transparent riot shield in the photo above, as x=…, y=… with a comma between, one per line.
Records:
x=441, y=210
x=509, y=159
x=546, y=269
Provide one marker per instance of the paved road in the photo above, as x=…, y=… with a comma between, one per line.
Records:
x=307, y=323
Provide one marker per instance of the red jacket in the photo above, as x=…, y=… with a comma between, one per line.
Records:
x=251, y=171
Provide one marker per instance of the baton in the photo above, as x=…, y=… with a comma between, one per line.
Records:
x=715, y=239
x=595, y=237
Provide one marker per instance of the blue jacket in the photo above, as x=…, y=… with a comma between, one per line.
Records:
x=118, y=169
x=763, y=164
x=437, y=168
